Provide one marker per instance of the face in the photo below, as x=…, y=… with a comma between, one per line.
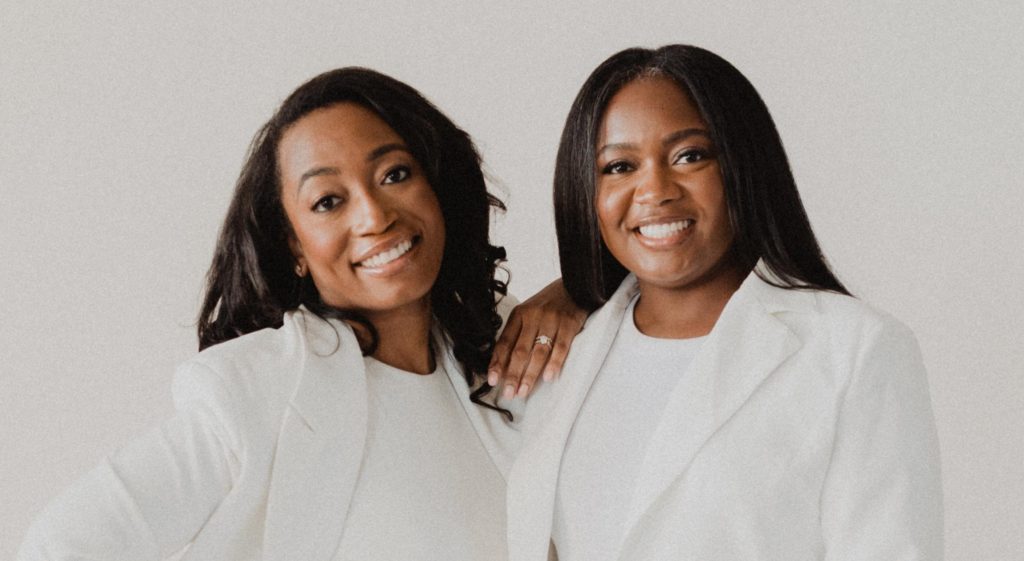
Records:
x=365, y=222
x=660, y=200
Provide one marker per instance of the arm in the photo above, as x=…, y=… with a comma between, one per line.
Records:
x=882, y=498
x=149, y=499
x=518, y=358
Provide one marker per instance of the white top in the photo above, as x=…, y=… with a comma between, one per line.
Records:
x=427, y=488
x=609, y=439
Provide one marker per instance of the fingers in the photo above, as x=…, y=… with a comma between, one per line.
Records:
x=519, y=358
x=569, y=326
x=559, y=352
x=536, y=353
x=539, y=358
x=503, y=348
x=547, y=360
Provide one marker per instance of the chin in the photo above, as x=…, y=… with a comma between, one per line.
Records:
x=673, y=277
x=665, y=283
x=399, y=299
x=667, y=276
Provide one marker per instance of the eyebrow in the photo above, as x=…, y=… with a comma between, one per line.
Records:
x=315, y=172
x=670, y=139
x=375, y=154
x=385, y=149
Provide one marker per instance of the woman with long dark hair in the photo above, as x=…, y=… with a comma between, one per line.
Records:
x=339, y=407
x=728, y=399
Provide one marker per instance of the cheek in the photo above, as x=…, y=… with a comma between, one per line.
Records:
x=432, y=216
x=423, y=207
x=722, y=234
x=604, y=220
x=611, y=207
x=321, y=245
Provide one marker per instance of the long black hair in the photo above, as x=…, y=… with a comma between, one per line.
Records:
x=252, y=282
x=767, y=216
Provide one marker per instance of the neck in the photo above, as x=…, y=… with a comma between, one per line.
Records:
x=689, y=311
x=405, y=337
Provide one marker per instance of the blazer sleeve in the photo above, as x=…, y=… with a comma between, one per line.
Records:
x=148, y=500
x=882, y=498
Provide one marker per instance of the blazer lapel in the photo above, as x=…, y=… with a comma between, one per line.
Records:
x=499, y=441
x=746, y=345
x=320, y=447
x=534, y=476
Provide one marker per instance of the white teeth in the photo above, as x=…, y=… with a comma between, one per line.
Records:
x=385, y=257
x=664, y=230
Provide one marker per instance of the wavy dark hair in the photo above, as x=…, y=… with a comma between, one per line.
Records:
x=251, y=282
x=767, y=216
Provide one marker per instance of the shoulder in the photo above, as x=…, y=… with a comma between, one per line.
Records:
x=255, y=357
x=852, y=321
x=843, y=330
x=256, y=374
x=611, y=312
x=838, y=314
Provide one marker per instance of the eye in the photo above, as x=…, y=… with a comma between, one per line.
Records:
x=616, y=167
x=691, y=156
x=397, y=174
x=326, y=203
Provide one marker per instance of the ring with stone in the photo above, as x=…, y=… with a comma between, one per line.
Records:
x=542, y=340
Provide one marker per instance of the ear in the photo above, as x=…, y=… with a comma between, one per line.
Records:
x=300, y=259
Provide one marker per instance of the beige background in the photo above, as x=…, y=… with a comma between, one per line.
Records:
x=123, y=128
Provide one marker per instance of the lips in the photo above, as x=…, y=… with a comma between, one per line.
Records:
x=380, y=257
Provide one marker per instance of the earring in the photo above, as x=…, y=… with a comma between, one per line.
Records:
x=300, y=269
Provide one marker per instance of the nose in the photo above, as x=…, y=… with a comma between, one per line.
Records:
x=373, y=213
x=656, y=186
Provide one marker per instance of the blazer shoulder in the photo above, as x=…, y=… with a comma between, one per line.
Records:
x=255, y=375
x=822, y=308
x=847, y=313
x=264, y=354
x=844, y=324
x=854, y=335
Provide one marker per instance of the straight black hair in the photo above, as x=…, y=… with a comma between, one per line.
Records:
x=767, y=216
x=251, y=282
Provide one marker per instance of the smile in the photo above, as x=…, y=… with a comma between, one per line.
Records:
x=664, y=230
x=383, y=258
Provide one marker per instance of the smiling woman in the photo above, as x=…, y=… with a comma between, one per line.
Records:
x=728, y=398
x=339, y=408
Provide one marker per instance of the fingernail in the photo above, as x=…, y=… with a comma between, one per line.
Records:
x=509, y=392
x=492, y=377
x=548, y=375
x=523, y=390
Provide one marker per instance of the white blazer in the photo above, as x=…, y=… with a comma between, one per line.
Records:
x=813, y=439
x=260, y=461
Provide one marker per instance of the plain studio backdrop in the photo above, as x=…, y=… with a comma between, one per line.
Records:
x=124, y=127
